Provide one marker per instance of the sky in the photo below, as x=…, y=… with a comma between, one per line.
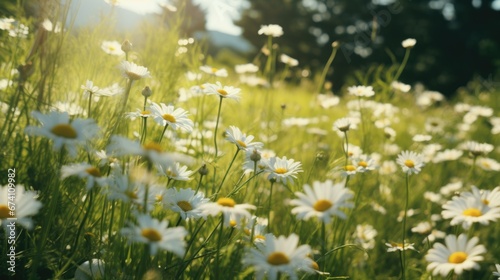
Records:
x=219, y=13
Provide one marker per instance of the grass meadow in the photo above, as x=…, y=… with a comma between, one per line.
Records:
x=135, y=155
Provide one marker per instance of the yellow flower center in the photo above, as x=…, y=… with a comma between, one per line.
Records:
x=145, y=113
x=64, y=130
x=280, y=170
x=184, y=205
x=322, y=205
x=214, y=69
x=259, y=236
x=241, y=143
x=131, y=194
x=4, y=212
x=472, y=212
x=232, y=223
x=152, y=146
x=151, y=234
x=222, y=92
x=350, y=168
x=226, y=201
x=409, y=163
x=277, y=258
x=457, y=257
x=159, y=197
x=169, y=118
x=314, y=265
x=93, y=172
x=486, y=202
x=363, y=164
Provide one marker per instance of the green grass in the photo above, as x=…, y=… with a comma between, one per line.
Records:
x=76, y=225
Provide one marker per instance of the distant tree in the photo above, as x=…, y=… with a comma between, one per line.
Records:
x=455, y=39
x=193, y=17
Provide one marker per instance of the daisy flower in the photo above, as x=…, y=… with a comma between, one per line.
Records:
x=364, y=163
x=400, y=86
x=365, y=236
x=342, y=124
x=271, y=30
x=223, y=91
x=292, y=62
x=468, y=210
x=84, y=171
x=227, y=206
x=258, y=226
x=490, y=198
x=157, y=235
x=133, y=71
x=214, y=71
x=361, y=91
x=122, y=188
x=63, y=132
x=488, y=164
x=176, y=172
x=497, y=273
x=139, y=114
x=152, y=152
x=409, y=43
x=279, y=255
x=393, y=247
x=323, y=201
x=89, y=89
x=186, y=202
x=411, y=162
x=71, y=108
x=246, y=68
x=447, y=155
x=112, y=48
x=259, y=159
x=241, y=140
x=476, y=148
x=26, y=205
x=457, y=254
x=283, y=170
x=168, y=115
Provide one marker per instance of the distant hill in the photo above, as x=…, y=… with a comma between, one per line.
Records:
x=224, y=40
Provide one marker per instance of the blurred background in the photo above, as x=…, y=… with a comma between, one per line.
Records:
x=458, y=41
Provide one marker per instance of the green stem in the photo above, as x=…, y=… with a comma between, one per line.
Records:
x=90, y=102
x=403, y=258
x=216, y=128
x=219, y=244
x=269, y=207
x=162, y=133
x=325, y=70
x=225, y=175
x=403, y=64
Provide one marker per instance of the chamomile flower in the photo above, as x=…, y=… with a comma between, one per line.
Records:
x=139, y=113
x=409, y=43
x=63, y=132
x=324, y=201
x=488, y=164
x=241, y=140
x=342, y=125
x=84, y=171
x=228, y=207
x=468, y=210
x=258, y=226
x=283, y=170
x=361, y=91
x=89, y=89
x=476, y=148
x=279, y=255
x=246, y=68
x=400, y=86
x=490, y=198
x=365, y=236
x=257, y=159
x=173, y=117
x=393, y=247
x=133, y=71
x=271, y=30
x=457, y=254
x=223, y=91
x=218, y=72
x=447, y=155
x=292, y=62
x=364, y=163
x=112, y=48
x=157, y=235
x=176, y=172
x=410, y=162
x=26, y=205
x=186, y=202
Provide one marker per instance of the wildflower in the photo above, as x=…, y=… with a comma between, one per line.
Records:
x=447, y=155
x=488, y=164
x=450, y=188
x=292, y=62
x=156, y=234
x=112, y=48
x=323, y=201
x=410, y=162
x=71, y=108
x=428, y=98
x=468, y=210
x=176, y=172
x=365, y=236
x=122, y=188
x=393, y=247
x=363, y=163
x=241, y=140
x=497, y=273
x=186, y=202
x=387, y=167
x=458, y=254
x=58, y=127
x=26, y=205
x=227, y=206
x=257, y=226
x=490, y=198
x=139, y=114
x=49, y=26
x=133, y=71
x=328, y=100
x=271, y=30
x=476, y=148
x=361, y=91
x=214, y=71
x=342, y=124
x=279, y=255
x=246, y=68
x=400, y=86
x=84, y=171
x=95, y=269
x=409, y=43
x=223, y=91
x=421, y=138
x=257, y=158
x=283, y=170
x=168, y=115
x=89, y=89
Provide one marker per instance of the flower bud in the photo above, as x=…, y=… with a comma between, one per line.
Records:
x=126, y=46
x=255, y=156
x=146, y=91
x=203, y=170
